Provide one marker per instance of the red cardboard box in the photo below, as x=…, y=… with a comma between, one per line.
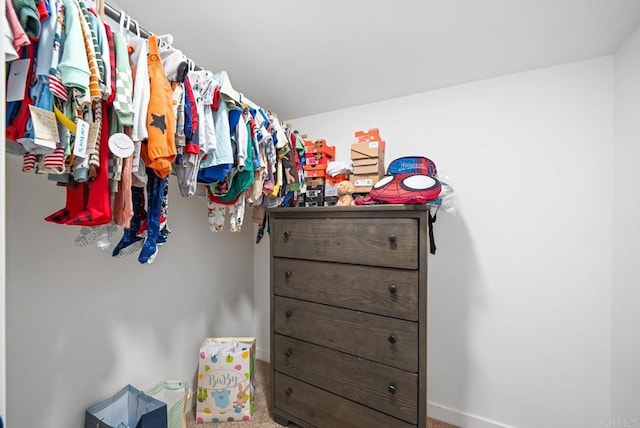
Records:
x=364, y=137
x=319, y=170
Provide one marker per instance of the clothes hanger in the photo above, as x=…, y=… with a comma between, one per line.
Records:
x=165, y=42
x=137, y=27
x=123, y=18
x=126, y=28
x=245, y=100
x=227, y=89
x=100, y=9
x=167, y=38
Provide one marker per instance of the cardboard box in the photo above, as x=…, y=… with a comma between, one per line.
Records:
x=314, y=202
x=315, y=171
x=330, y=201
x=364, y=183
x=314, y=182
x=368, y=149
x=330, y=190
x=336, y=179
x=314, y=197
x=368, y=166
x=315, y=193
x=371, y=135
x=320, y=147
x=314, y=159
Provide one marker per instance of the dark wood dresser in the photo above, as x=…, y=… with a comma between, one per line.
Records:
x=349, y=316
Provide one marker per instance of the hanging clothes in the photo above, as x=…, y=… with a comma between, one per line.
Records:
x=19, y=36
x=141, y=86
x=74, y=64
x=217, y=145
x=17, y=112
x=89, y=204
x=159, y=151
x=28, y=16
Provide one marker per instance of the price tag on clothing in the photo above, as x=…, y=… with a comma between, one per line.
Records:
x=94, y=128
x=82, y=136
x=45, y=127
x=17, y=80
x=136, y=156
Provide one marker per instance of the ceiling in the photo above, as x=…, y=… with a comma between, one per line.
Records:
x=302, y=57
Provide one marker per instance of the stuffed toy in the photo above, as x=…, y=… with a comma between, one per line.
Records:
x=345, y=193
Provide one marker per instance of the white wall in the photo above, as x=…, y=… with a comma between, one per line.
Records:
x=81, y=324
x=521, y=312
x=520, y=287
x=625, y=349
x=2, y=246
x=261, y=296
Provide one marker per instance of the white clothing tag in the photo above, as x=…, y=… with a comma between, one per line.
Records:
x=121, y=145
x=93, y=137
x=82, y=136
x=44, y=143
x=17, y=81
x=136, y=156
x=45, y=127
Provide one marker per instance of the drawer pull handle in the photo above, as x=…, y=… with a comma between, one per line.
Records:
x=392, y=238
x=286, y=234
x=288, y=313
x=392, y=339
x=393, y=289
x=287, y=274
x=392, y=388
x=288, y=391
x=288, y=352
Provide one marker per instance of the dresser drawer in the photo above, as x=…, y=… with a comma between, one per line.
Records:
x=388, y=242
x=322, y=409
x=386, y=340
x=381, y=291
x=387, y=389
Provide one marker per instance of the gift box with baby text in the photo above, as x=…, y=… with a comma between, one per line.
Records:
x=226, y=381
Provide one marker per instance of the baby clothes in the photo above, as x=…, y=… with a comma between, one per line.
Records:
x=217, y=214
x=159, y=151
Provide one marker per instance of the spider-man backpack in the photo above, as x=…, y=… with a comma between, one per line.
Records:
x=409, y=180
x=412, y=165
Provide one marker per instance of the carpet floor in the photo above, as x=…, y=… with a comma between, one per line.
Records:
x=261, y=417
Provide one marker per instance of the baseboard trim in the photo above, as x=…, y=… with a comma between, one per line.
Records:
x=263, y=355
x=459, y=419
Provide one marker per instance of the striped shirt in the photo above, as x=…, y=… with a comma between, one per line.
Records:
x=94, y=77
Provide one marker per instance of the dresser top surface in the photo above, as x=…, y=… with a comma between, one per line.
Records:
x=353, y=208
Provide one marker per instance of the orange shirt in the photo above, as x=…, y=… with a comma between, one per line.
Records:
x=159, y=151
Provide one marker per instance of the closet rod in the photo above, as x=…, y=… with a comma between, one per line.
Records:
x=132, y=25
